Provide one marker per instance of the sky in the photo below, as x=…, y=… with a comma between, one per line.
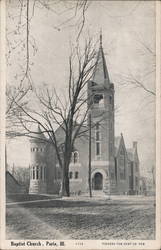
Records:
x=127, y=27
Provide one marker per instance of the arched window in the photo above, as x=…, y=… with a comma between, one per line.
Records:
x=76, y=175
x=37, y=172
x=33, y=173
x=75, y=157
x=110, y=99
x=70, y=175
x=41, y=172
x=97, y=140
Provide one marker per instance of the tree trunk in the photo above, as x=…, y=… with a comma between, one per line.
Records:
x=65, y=189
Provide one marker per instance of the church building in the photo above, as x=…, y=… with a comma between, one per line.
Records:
x=114, y=168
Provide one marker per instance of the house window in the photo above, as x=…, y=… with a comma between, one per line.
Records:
x=70, y=175
x=97, y=140
x=76, y=175
x=98, y=100
x=75, y=157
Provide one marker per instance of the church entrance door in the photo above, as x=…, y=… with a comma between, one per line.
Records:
x=98, y=181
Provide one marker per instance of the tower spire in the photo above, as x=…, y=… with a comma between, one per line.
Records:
x=101, y=73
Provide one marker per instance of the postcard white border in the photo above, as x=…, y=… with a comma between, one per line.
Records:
x=87, y=244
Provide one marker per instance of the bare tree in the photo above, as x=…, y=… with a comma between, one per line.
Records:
x=69, y=114
x=131, y=79
x=22, y=175
x=21, y=41
x=14, y=95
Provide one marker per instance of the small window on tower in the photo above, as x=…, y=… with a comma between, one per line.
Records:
x=97, y=135
x=110, y=99
x=97, y=148
x=99, y=100
x=98, y=141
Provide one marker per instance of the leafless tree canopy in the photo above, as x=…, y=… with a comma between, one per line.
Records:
x=67, y=114
x=21, y=41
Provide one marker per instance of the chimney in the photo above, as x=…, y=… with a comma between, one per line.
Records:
x=135, y=144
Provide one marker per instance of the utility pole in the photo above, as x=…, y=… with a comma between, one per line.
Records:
x=89, y=169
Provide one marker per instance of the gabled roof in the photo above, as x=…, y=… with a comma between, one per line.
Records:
x=8, y=174
x=101, y=73
x=119, y=141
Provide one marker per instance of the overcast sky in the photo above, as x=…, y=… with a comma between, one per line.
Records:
x=126, y=26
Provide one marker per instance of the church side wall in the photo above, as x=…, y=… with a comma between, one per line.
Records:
x=80, y=184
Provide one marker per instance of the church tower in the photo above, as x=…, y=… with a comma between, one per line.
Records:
x=38, y=164
x=101, y=111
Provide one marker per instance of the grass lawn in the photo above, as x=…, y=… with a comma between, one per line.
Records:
x=25, y=197
x=132, y=218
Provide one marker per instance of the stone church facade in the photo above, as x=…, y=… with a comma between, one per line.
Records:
x=115, y=169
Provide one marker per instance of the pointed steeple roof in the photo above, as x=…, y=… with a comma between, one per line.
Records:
x=38, y=135
x=101, y=73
